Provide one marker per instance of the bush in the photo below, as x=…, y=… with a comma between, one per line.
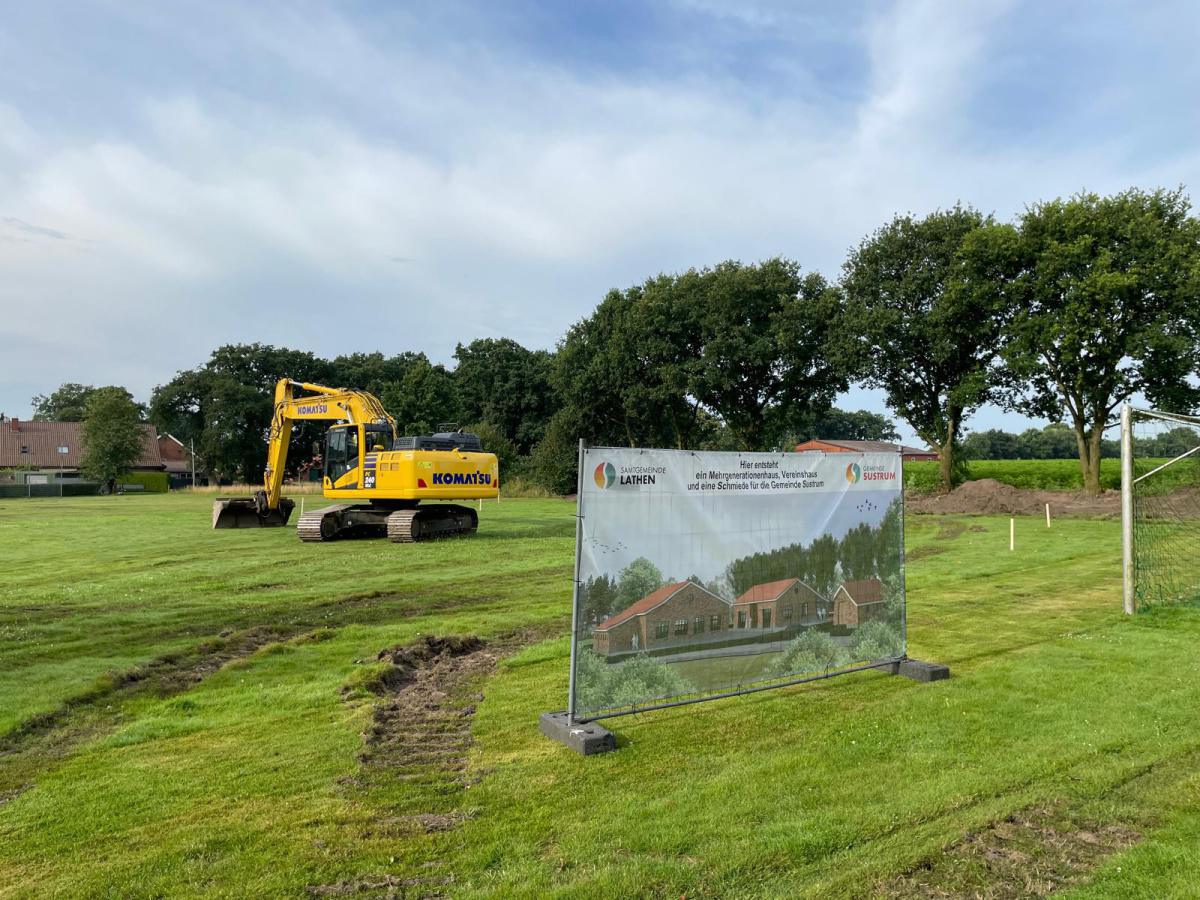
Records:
x=495, y=441
x=876, y=640
x=554, y=461
x=813, y=651
x=520, y=486
x=601, y=685
x=152, y=482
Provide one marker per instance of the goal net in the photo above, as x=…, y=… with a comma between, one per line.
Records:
x=1160, y=493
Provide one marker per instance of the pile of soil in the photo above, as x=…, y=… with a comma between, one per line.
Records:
x=990, y=497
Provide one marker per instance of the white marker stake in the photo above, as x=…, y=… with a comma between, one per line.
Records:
x=1012, y=534
x=301, y=504
x=1047, y=515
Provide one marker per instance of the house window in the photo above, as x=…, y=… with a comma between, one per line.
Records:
x=787, y=611
x=766, y=618
x=804, y=610
x=741, y=618
x=714, y=623
x=681, y=626
x=660, y=630
x=698, y=625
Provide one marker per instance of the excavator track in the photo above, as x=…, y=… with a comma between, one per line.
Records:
x=425, y=523
x=321, y=524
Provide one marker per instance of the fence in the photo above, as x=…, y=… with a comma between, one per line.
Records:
x=703, y=574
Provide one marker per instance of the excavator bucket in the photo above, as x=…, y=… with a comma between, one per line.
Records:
x=243, y=512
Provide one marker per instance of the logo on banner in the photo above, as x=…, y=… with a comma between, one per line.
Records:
x=605, y=475
x=853, y=473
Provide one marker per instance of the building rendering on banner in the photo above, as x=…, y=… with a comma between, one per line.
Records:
x=675, y=615
x=778, y=605
x=858, y=602
x=685, y=615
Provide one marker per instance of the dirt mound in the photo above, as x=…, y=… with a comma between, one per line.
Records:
x=990, y=497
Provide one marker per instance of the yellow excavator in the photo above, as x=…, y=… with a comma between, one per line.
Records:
x=382, y=477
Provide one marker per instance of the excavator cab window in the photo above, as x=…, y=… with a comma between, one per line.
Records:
x=379, y=437
x=341, y=451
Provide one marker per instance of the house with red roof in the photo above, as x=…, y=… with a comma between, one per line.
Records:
x=778, y=604
x=858, y=602
x=675, y=615
x=37, y=452
x=827, y=446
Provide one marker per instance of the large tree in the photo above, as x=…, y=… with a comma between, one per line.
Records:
x=372, y=372
x=424, y=398
x=1108, y=302
x=503, y=383
x=226, y=406
x=68, y=402
x=924, y=313
x=765, y=333
x=112, y=435
x=839, y=425
x=670, y=362
x=609, y=394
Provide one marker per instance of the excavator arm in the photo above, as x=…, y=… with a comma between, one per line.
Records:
x=319, y=402
x=295, y=401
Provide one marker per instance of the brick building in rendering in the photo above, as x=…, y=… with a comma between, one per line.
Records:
x=857, y=602
x=778, y=604
x=673, y=616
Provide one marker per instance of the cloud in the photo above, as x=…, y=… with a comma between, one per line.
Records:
x=407, y=181
x=13, y=224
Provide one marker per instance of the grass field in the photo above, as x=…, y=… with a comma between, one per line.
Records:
x=1034, y=474
x=181, y=714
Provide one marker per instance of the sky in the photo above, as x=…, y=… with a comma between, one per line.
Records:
x=381, y=176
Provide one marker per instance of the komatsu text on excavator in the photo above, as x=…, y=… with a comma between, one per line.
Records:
x=381, y=477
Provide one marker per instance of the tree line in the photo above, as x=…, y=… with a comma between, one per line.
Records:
x=1060, y=314
x=1057, y=441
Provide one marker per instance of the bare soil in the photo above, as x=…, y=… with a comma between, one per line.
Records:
x=1032, y=853
x=990, y=497
x=420, y=733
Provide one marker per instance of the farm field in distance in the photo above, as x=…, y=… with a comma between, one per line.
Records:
x=186, y=711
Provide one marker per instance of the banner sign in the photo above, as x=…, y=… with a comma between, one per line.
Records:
x=704, y=573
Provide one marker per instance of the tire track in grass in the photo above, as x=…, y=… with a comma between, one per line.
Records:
x=46, y=737
x=420, y=734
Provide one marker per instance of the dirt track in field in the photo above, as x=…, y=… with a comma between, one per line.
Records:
x=1033, y=853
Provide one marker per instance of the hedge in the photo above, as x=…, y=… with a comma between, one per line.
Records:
x=1035, y=474
x=152, y=482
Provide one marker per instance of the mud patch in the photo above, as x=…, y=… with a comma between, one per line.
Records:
x=420, y=734
x=13, y=793
x=1032, y=853
x=383, y=886
x=422, y=729
x=923, y=552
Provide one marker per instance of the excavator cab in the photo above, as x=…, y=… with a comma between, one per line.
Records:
x=341, y=452
x=346, y=445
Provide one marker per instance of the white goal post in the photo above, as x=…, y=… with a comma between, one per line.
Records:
x=1160, y=507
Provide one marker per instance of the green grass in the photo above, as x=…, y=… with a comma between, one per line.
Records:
x=247, y=782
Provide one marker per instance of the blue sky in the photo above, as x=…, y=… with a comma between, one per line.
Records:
x=364, y=176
